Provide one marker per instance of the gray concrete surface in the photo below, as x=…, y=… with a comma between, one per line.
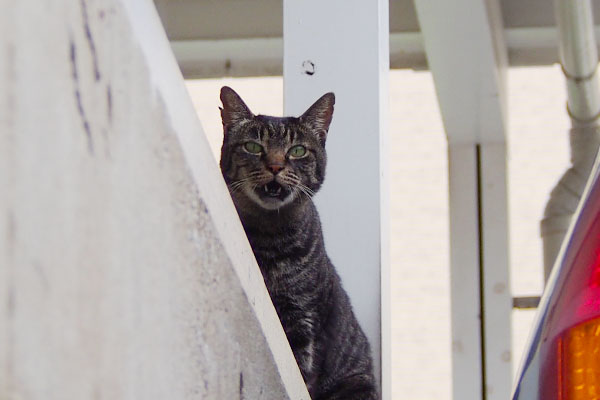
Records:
x=124, y=271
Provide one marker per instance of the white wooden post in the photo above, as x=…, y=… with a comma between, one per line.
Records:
x=496, y=294
x=467, y=57
x=464, y=272
x=479, y=279
x=343, y=46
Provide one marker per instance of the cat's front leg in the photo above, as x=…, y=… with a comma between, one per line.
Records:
x=305, y=358
x=301, y=338
x=300, y=331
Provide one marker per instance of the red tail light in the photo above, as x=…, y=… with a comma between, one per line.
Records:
x=570, y=349
x=579, y=362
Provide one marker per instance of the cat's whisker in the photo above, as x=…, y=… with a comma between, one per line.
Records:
x=235, y=188
x=303, y=186
x=293, y=181
x=301, y=189
x=310, y=191
x=240, y=184
x=251, y=175
x=238, y=188
x=298, y=192
x=305, y=189
x=239, y=181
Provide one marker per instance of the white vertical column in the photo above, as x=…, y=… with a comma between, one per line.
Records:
x=468, y=59
x=481, y=302
x=465, y=272
x=343, y=46
x=497, y=299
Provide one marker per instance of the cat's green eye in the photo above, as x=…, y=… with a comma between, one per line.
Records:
x=252, y=147
x=297, y=151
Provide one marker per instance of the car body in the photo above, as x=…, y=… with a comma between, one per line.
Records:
x=562, y=359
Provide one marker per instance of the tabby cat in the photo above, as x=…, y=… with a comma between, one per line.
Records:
x=273, y=166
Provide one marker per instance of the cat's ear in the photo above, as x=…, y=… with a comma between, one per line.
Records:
x=234, y=109
x=318, y=116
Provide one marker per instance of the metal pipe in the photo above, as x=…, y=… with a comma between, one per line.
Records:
x=579, y=59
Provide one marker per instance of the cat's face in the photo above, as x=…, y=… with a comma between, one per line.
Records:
x=271, y=161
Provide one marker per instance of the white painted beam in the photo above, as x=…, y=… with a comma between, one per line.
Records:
x=348, y=53
x=467, y=58
x=204, y=58
x=229, y=57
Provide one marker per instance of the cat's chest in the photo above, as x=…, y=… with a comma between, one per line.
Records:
x=281, y=269
x=280, y=273
x=287, y=291
x=279, y=251
x=287, y=257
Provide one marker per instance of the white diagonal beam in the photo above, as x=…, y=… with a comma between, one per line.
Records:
x=467, y=57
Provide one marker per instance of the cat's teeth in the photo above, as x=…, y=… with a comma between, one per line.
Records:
x=272, y=192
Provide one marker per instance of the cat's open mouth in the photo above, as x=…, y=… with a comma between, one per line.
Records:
x=273, y=192
x=272, y=189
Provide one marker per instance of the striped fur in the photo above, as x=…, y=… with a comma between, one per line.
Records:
x=284, y=230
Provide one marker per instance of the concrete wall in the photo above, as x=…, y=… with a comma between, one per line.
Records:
x=124, y=271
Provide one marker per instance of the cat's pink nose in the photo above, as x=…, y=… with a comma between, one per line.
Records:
x=275, y=168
